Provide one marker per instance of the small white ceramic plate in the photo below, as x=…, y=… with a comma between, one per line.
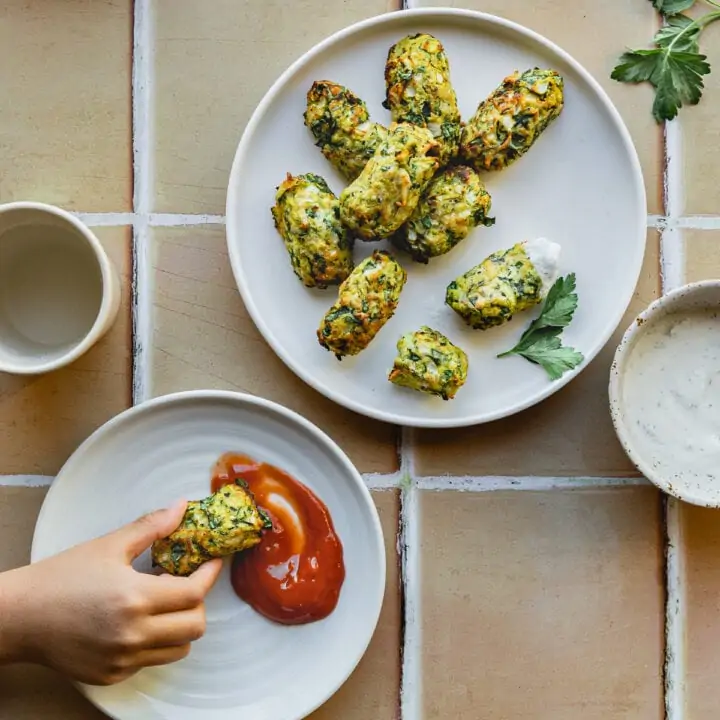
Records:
x=245, y=666
x=580, y=185
x=676, y=474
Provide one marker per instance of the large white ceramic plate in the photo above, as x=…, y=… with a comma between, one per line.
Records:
x=580, y=185
x=245, y=666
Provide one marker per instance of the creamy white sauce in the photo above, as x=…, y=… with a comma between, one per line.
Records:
x=671, y=393
x=545, y=257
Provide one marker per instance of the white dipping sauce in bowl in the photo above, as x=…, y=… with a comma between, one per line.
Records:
x=665, y=393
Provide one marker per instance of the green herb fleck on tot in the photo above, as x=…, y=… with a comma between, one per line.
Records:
x=267, y=522
x=675, y=66
x=540, y=343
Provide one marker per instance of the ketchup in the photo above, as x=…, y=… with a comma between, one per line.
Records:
x=295, y=574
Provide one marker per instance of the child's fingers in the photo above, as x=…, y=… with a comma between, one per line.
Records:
x=206, y=576
x=137, y=536
x=178, y=628
x=167, y=593
x=161, y=656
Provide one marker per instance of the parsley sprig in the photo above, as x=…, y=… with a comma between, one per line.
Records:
x=540, y=343
x=675, y=66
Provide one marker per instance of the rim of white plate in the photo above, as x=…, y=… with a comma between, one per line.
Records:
x=243, y=147
x=290, y=416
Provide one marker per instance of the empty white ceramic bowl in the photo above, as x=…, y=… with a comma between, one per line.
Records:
x=676, y=473
x=59, y=293
x=245, y=666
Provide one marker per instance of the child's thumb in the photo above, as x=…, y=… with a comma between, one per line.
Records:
x=138, y=535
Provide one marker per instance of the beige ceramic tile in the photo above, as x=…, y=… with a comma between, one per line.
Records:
x=701, y=535
x=542, y=606
x=701, y=135
x=570, y=433
x=702, y=255
x=43, y=419
x=212, y=67
x=20, y=698
x=373, y=690
x=30, y=692
x=19, y=508
x=596, y=34
x=65, y=133
x=204, y=338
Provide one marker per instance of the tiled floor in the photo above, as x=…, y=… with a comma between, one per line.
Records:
x=701, y=138
x=201, y=108
x=534, y=576
x=65, y=134
x=563, y=593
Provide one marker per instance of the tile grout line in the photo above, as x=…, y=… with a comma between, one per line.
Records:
x=699, y=222
x=408, y=535
x=107, y=219
x=672, y=272
x=411, y=648
x=400, y=480
x=528, y=483
x=382, y=481
x=120, y=219
x=142, y=182
x=672, y=263
x=674, y=665
x=656, y=221
x=26, y=480
x=183, y=220
x=673, y=188
x=407, y=458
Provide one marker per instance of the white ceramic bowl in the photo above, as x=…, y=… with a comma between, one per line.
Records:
x=245, y=666
x=673, y=475
x=59, y=292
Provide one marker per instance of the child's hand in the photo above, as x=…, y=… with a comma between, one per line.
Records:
x=87, y=613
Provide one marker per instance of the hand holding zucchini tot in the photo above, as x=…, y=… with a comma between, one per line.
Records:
x=428, y=362
x=419, y=91
x=511, y=119
x=388, y=189
x=505, y=283
x=366, y=301
x=454, y=202
x=340, y=123
x=226, y=522
x=307, y=216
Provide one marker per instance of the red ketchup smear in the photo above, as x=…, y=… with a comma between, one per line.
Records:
x=295, y=574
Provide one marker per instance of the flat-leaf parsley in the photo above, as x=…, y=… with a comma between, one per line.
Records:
x=540, y=343
x=675, y=66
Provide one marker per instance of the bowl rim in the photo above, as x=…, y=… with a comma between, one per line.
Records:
x=232, y=218
x=640, y=324
x=374, y=596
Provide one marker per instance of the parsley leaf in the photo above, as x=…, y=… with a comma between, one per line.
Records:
x=559, y=306
x=675, y=66
x=671, y=34
x=547, y=351
x=672, y=7
x=540, y=343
